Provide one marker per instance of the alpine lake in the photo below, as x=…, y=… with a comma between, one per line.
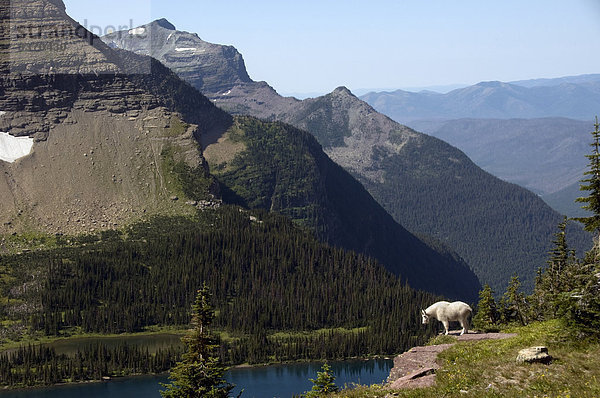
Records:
x=280, y=380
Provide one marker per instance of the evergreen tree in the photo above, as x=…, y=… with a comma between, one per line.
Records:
x=324, y=384
x=513, y=305
x=592, y=184
x=558, y=278
x=486, y=318
x=581, y=306
x=580, y=300
x=200, y=373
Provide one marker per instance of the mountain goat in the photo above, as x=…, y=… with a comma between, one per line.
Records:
x=446, y=312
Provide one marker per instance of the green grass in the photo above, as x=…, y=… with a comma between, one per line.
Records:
x=489, y=368
x=283, y=334
x=75, y=334
x=176, y=127
x=442, y=339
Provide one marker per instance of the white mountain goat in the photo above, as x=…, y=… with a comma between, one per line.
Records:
x=446, y=312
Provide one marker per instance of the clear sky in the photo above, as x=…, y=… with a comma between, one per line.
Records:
x=317, y=45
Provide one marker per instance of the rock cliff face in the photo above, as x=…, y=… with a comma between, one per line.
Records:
x=218, y=71
x=104, y=122
x=208, y=67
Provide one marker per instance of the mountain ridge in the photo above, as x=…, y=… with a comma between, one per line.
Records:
x=276, y=167
x=503, y=148
x=492, y=100
x=396, y=163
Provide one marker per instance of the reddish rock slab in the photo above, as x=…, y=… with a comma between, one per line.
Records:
x=416, y=367
x=422, y=378
x=416, y=360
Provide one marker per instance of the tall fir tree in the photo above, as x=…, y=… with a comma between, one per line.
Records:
x=592, y=185
x=558, y=277
x=486, y=317
x=581, y=305
x=200, y=373
x=513, y=305
x=324, y=384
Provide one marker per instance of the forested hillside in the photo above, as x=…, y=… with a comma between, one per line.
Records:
x=432, y=188
x=276, y=167
x=265, y=273
x=545, y=155
x=513, y=223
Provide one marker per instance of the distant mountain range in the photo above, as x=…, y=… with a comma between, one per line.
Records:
x=575, y=98
x=427, y=185
x=519, y=131
x=446, y=88
x=557, y=81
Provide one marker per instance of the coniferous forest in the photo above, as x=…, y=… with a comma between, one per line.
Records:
x=278, y=293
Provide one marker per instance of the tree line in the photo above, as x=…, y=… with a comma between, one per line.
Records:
x=41, y=365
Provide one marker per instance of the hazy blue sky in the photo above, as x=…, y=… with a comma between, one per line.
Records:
x=315, y=46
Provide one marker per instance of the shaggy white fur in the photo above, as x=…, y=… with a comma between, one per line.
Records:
x=446, y=312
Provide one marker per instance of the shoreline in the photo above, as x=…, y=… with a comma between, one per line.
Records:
x=108, y=379
x=66, y=345
x=105, y=379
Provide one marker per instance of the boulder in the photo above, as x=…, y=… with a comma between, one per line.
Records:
x=534, y=354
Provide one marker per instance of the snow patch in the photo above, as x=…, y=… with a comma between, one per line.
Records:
x=227, y=93
x=13, y=148
x=180, y=49
x=171, y=35
x=137, y=31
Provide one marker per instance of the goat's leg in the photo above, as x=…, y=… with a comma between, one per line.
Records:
x=446, y=326
x=465, y=325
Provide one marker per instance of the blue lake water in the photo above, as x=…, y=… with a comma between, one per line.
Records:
x=282, y=381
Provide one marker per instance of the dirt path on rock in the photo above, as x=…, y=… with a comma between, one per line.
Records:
x=416, y=367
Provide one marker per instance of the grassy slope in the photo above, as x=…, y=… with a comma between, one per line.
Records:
x=489, y=369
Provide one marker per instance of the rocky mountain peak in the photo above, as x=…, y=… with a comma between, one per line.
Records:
x=163, y=23
x=342, y=90
x=211, y=68
x=58, y=3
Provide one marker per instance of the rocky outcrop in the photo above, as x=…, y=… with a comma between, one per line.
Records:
x=416, y=368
